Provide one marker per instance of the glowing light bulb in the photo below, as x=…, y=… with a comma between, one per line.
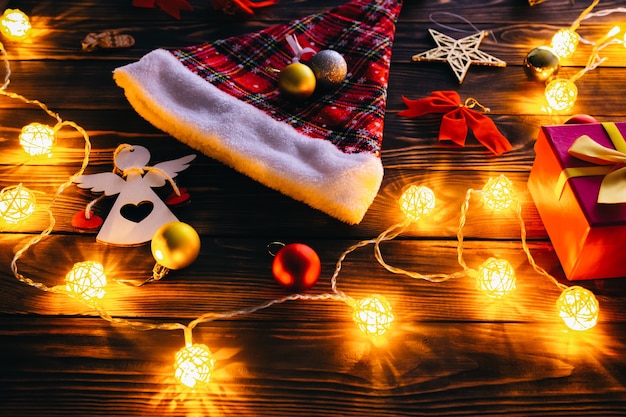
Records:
x=86, y=280
x=16, y=203
x=561, y=94
x=14, y=24
x=496, y=277
x=498, y=193
x=373, y=315
x=564, y=42
x=417, y=201
x=194, y=365
x=578, y=308
x=37, y=139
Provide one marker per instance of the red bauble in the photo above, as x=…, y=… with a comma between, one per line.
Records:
x=579, y=119
x=296, y=267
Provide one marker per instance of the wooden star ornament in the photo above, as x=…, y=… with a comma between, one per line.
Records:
x=458, y=53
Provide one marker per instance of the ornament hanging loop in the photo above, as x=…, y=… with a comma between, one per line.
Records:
x=471, y=102
x=274, y=247
x=297, y=50
x=158, y=272
x=432, y=18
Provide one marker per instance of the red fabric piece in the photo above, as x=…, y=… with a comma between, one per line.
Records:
x=245, y=6
x=457, y=120
x=171, y=7
x=352, y=116
x=79, y=221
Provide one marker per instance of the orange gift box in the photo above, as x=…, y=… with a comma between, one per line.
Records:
x=589, y=237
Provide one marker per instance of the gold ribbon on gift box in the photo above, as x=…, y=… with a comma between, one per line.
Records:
x=611, y=163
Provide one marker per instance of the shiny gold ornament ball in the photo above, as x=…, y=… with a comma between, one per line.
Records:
x=296, y=81
x=329, y=67
x=541, y=64
x=175, y=245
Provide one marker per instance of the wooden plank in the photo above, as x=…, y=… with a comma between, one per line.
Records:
x=451, y=350
x=268, y=369
x=236, y=273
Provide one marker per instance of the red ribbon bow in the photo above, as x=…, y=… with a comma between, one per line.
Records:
x=172, y=7
x=457, y=119
x=244, y=6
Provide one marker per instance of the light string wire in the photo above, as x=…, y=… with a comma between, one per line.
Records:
x=395, y=230
x=336, y=295
x=582, y=16
x=587, y=14
x=51, y=220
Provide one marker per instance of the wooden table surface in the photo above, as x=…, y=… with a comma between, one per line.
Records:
x=451, y=351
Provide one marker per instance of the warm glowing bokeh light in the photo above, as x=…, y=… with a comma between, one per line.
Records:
x=194, y=365
x=373, y=315
x=14, y=24
x=564, y=42
x=86, y=280
x=578, y=308
x=561, y=94
x=496, y=277
x=37, y=139
x=417, y=201
x=498, y=193
x=16, y=203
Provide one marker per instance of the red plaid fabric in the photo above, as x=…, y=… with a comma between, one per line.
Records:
x=350, y=116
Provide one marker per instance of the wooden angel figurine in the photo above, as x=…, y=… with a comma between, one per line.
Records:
x=138, y=211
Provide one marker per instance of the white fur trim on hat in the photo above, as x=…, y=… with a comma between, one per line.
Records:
x=183, y=104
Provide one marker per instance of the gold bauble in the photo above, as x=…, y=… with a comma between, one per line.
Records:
x=175, y=245
x=296, y=81
x=541, y=64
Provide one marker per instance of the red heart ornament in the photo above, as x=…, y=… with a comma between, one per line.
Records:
x=177, y=200
x=79, y=221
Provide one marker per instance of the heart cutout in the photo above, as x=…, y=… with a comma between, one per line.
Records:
x=137, y=212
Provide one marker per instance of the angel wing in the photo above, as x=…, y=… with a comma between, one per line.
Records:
x=106, y=182
x=155, y=178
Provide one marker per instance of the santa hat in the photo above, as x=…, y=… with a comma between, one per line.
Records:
x=222, y=98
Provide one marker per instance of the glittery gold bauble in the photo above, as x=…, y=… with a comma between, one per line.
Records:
x=329, y=67
x=175, y=245
x=296, y=81
x=541, y=64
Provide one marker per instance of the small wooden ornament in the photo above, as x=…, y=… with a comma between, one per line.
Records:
x=107, y=40
x=458, y=53
x=129, y=221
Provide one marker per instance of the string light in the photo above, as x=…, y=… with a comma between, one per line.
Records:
x=495, y=277
x=561, y=94
x=14, y=24
x=37, y=139
x=194, y=365
x=16, y=203
x=498, y=193
x=564, y=43
x=417, y=202
x=373, y=315
x=578, y=308
x=86, y=280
